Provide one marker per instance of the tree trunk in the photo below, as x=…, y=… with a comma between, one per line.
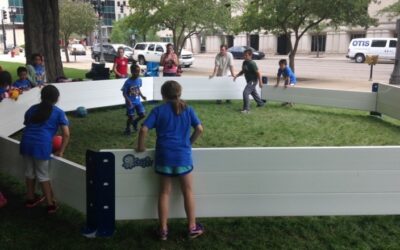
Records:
x=293, y=54
x=395, y=77
x=66, y=51
x=41, y=28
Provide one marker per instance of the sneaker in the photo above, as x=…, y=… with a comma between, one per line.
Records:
x=196, y=231
x=51, y=209
x=261, y=105
x=245, y=111
x=3, y=200
x=127, y=131
x=162, y=234
x=34, y=202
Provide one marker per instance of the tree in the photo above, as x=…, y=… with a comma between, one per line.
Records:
x=183, y=17
x=394, y=11
x=122, y=32
x=75, y=17
x=296, y=17
x=41, y=28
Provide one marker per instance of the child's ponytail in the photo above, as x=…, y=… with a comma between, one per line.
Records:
x=171, y=91
x=49, y=97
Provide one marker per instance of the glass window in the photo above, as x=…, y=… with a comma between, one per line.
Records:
x=151, y=47
x=393, y=44
x=140, y=46
x=357, y=35
x=378, y=43
x=159, y=49
x=318, y=43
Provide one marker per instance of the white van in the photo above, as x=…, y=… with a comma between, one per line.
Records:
x=360, y=48
x=152, y=52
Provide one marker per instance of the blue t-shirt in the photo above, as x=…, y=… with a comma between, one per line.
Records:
x=37, y=138
x=2, y=92
x=173, y=147
x=40, y=74
x=287, y=72
x=22, y=84
x=131, y=88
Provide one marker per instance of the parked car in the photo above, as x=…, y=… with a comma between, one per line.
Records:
x=360, y=48
x=77, y=49
x=152, y=52
x=238, y=52
x=110, y=52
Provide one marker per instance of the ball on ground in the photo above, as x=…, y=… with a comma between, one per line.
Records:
x=57, y=142
x=81, y=112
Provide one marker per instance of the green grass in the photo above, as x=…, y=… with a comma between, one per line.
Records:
x=21, y=228
x=69, y=73
x=224, y=127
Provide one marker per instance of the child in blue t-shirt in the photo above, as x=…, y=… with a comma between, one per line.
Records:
x=132, y=94
x=286, y=72
x=22, y=83
x=42, y=122
x=288, y=75
x=36, y=70
x=173, y=121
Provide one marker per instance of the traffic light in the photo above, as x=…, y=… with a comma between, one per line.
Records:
x=4, y=14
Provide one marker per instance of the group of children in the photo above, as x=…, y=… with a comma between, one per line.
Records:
x=28, y=77
x=177, y=127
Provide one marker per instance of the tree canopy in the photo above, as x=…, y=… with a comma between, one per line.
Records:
x=299, y=16
x=393, y=10
x=184, y=18
x=123, y=30
x=75, y=18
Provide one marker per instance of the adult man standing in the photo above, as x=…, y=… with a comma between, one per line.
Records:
x=223, y=62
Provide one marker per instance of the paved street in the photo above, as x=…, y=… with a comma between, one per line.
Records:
x=332, y=71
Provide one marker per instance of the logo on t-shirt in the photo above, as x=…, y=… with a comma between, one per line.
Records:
x=130, y=161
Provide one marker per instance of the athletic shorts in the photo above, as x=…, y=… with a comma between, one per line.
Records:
x=173, y=171
x=139, y=108
x=36, y=169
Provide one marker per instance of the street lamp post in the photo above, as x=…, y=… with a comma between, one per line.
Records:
x=13, y=15
x=395, y=77
x=4, y=16
x=98, y=6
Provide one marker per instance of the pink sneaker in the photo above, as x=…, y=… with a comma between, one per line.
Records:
x=3, y=200
x=196, y=231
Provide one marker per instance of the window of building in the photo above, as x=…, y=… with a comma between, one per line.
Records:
x=393, y=44
x=318, y=43
x=357, y=35
x=378, y=43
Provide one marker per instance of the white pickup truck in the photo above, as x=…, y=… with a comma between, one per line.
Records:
x=152, y=52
